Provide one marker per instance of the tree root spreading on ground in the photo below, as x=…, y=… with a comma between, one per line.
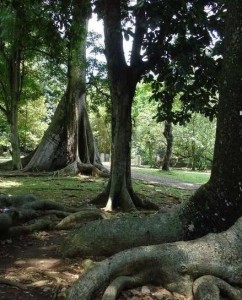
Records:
x=202, y=268
x=17, y=210
x=12, y=283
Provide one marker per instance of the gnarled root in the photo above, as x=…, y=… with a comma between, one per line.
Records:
x=80, y=216
x=209, y=287
x=12, y=283
x=86, y=169
x=175, y=266
x=27, y=229
x=125, y=282
x=106, y=237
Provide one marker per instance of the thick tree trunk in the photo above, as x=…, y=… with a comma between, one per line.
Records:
x=213, y=261
x=169, y=143
x=216, y=205
x=68, y=143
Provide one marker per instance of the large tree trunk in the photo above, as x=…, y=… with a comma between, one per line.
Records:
x=203, y=268
x=68, y=143
x=169, y=143
x=217, y=204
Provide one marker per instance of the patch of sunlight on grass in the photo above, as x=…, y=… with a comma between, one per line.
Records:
x=5, y=184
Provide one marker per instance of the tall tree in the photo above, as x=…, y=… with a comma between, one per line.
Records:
x=22, y=39
x=68, y=143
x=161, y=30
x=13, y=35
x=214, y=207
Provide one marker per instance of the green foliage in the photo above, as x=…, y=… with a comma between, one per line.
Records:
x=32, y=124
x=147, y=138
x=100, y=122
x=194, y=142
x=180, y=48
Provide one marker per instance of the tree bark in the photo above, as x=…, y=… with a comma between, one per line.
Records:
x=123, y=80
x=169, y=143
x=216, y=205
x=15, y=75
x=68, y=142
x=213, y=261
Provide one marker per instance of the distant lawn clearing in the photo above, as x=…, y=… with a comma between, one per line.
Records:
x=198, y=177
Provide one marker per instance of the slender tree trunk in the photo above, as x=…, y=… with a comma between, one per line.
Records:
x=15, y=76
x=14, y=139
x=169, y=143
x=123, y=80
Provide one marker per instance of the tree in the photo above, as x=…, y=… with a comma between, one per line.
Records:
x=68, y=143
x=12, y=43
x=156, y=27
x=194, y=142
x=147, y=140
x=169, y=144
x=205, y=266
x=23, y=41
x=216, y=205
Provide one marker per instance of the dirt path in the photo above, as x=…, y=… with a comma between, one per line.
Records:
x=153, y=179
x=164, y=181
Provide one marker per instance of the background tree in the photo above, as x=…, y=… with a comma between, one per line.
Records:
x=14, y=33
x=194, y=142
x=23, y=46
x=68, y=143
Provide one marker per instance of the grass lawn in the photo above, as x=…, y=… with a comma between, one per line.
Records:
x=178, y=174
x=77, y=190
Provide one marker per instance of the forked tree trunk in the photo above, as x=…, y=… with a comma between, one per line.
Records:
x=123, y=80
x=169, y=143
x=216, y=205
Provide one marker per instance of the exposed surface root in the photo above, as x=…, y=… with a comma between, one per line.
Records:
x=210, y=288
x=27, y=229
x=86, y=169
x=124, y=282
x=15, y=211
x=203, y=268
x=85, y=215
x=12, y=283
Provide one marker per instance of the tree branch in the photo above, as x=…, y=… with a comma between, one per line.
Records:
x=140, y=30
